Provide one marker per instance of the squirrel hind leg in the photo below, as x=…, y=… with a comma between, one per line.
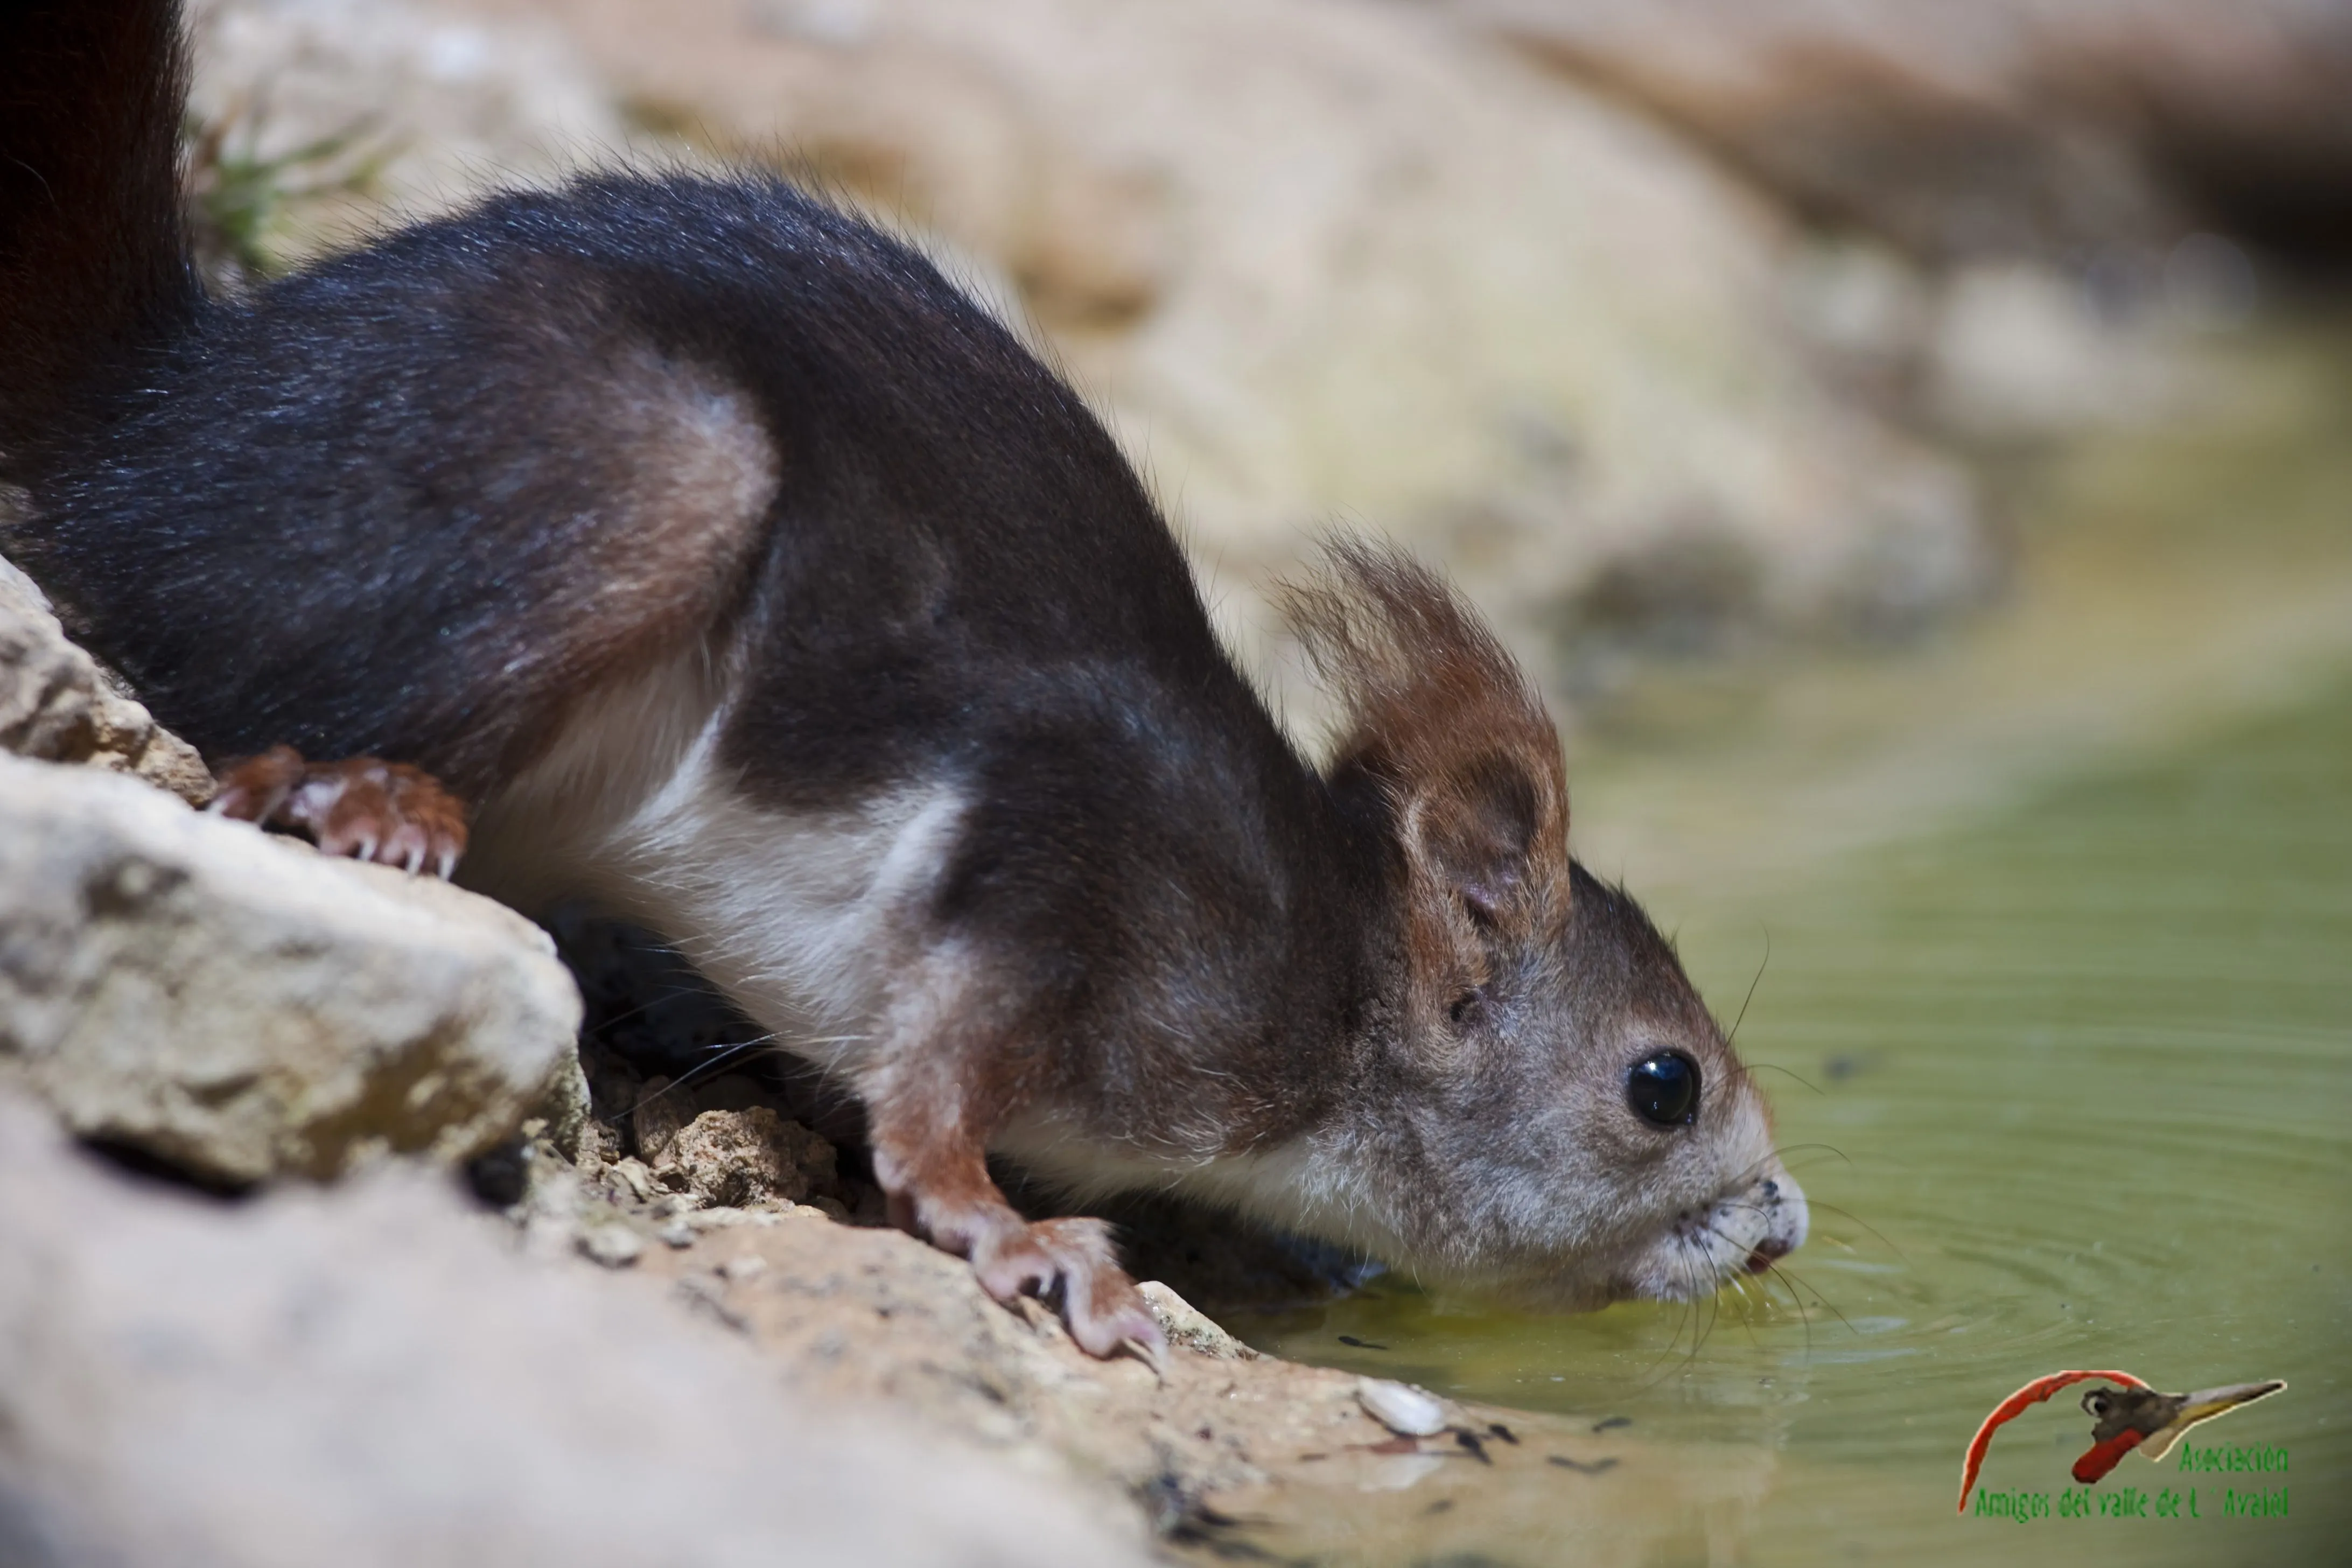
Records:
x=361, y=808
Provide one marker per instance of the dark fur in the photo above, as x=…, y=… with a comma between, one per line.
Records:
x=93, y=255
x=407, y=504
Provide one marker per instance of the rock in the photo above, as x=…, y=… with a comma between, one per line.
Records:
x=876, y=1316
x=2018, y=352
x=236, y=1006
x=565, y=1110
x=1186, y=1325
x=732, y=1158
x=1402, y=1408
x=58, y=704
x=2004, y=128
x=412, y=103
x=364, y=1377
x=612, y=1242
x=744, y=1269
x=635, y=1177
x=1245, y=1459
x=655, y=1119
x=1398, y=277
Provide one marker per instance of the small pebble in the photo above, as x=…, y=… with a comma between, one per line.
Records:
x=743, y=1270
x=1185, y=1326
x=707, y=1295
x=1406, y=1411
x=677, y=1233
x=633, y=1174
x=612, y=1244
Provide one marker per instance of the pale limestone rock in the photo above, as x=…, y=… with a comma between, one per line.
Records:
x=2050, y=127
x=612, y=1242
x=365, y=1376
x=1329, y=261
x=240, y=1006
x=423, y=104
x=58, y=704
x=1186, y=1325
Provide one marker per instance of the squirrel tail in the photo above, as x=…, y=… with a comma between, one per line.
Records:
x=94, y=261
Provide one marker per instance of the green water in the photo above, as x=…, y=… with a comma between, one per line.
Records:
x=2076, y=1092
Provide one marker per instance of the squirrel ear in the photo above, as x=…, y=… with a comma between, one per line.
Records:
x=1475, y=836
x=1447, y=730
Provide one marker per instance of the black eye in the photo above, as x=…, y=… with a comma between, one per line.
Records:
x=1664, y=1090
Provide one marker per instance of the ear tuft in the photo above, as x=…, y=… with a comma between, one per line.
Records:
x=1439, y=717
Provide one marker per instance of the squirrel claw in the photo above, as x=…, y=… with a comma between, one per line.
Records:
x=359, y=807
x=1105, y=1312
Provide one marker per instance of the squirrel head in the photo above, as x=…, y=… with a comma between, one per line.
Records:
x=1543, y=1107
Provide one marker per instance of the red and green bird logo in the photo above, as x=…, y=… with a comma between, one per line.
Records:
x=2133, y=1415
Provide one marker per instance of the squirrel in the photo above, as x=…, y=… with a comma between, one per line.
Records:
x=684, y=543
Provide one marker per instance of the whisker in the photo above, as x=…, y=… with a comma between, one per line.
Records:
x=1665, y=1355
x=1785, y=1149
x=723, y=1055
x=1711, y=1313
x=1734, y=1034
x=1850, y=1215
x=1802, y=1316
x=1832, y=1240
x=1697, y=1314
x=1776, y=1067
x=699, y=1070
x=1780, y=1152
x=1745, y=1321
x=1819, y=1300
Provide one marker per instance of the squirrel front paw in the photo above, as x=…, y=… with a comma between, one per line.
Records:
x=361, y=807
x=1104, y=1309
x=964, y=1213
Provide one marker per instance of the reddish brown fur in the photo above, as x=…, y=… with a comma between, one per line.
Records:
x=664, y=478
x=685, y=475
x=656, y=480
x=358, y=807
x=1438, y=716
x=929, y=1128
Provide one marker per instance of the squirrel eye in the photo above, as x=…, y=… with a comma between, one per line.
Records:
x=1464, y=1007
x=1664, y=1090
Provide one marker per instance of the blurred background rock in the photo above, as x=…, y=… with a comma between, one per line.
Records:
x=1677, y=331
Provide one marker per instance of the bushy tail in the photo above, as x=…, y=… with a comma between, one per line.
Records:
x=93, y=247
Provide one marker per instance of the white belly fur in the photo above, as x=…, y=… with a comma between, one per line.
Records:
x=800, y=917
